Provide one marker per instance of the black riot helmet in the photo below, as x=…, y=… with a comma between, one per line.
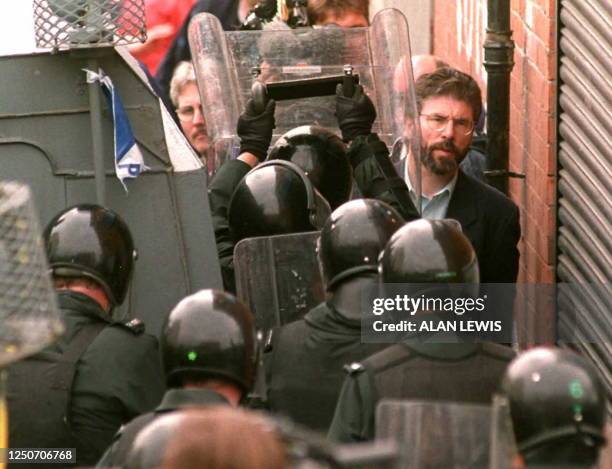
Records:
x=353, y=237
x=557, y=402
x=208, y=335
x=429, y=251
x=92, y=241
x=275, y=198
x=321, y=154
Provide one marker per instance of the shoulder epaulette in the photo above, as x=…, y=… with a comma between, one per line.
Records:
x=498, y=351
x=135, y=326
x=388, y=357
x=354, y=368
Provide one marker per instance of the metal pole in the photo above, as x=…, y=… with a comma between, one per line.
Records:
x=498, y=62
x=95, y=117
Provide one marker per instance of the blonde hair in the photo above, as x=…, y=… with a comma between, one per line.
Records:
x=184, y=74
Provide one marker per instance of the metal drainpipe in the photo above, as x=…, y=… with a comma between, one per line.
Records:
x=498, y=62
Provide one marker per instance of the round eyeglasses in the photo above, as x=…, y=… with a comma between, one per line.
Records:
x=438, y=123
x=186, y=113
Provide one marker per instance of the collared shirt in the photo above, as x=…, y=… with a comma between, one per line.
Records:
x=174, y=399
x=177, y=398
x=435, y=207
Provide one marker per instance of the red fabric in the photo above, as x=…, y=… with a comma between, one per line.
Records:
x=161, y=12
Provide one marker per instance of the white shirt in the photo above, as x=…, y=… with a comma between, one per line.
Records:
x=436, y=206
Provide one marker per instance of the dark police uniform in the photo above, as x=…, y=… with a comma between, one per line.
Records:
x=174, y=399
x=117, y=377
x=367, y=174
x=462, y=372
x=304, y=367
x=377, y=178
x=219, y=195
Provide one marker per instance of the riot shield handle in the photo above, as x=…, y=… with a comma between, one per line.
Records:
x=348, y=82
x=259, y=92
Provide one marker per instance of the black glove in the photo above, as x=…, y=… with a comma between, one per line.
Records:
x=355, y=115
x=255, y=129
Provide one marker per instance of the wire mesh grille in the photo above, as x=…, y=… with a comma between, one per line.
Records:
x=88, y=23
x=29, y=317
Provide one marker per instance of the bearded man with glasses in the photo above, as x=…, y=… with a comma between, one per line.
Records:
x=449, y=103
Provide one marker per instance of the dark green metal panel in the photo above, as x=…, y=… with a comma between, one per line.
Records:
x=46, y=141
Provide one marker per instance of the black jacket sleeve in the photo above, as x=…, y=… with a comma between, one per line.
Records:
x=376, y=176
x=220, y=192
x=502, y=251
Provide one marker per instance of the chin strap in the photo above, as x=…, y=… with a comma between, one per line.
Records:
x=590, y=435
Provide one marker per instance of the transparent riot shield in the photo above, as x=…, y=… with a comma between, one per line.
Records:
x=227, y=63
x=278, y=277
x=29, y=316
x=503, y=445
x=436, y=435
x=378, y=454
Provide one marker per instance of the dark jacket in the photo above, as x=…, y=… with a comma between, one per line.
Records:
x=490, y=220
x=459, y=372
x=174, y=399
x=377, y=178
x=117, y=377
x=220, y=193
x=304, y=366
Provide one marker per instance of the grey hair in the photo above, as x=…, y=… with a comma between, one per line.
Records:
x=182, y=76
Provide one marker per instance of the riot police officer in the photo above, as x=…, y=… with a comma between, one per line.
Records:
x=102, y=372
x=322, y=156
x=423, y=252
x=329, y=336
x=250, y=194
x=368, y=156
x=208, y=348
x=558, y=408
x=275, y=198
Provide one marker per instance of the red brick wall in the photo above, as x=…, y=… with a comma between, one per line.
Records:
x=458, y=34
